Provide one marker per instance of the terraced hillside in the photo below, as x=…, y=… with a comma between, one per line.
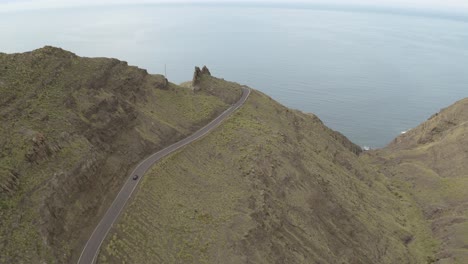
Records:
x=271, y=185
x=431, y=162
x=72, y=128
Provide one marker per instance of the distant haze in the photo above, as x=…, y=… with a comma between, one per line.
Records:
x=441, y=5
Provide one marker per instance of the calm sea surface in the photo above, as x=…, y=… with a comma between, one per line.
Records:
x=367, y=75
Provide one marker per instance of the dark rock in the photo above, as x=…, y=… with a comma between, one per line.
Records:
x=198, y=74
x=205, y=70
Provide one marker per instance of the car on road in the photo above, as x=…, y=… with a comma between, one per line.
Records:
x=135, y=177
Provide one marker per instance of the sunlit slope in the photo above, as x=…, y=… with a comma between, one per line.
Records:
x=431, y=162
x=72, y=129
x=270, y=185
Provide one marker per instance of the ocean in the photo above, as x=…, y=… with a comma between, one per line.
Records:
x=369, y=75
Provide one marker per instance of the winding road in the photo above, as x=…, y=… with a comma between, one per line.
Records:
x=91, y=249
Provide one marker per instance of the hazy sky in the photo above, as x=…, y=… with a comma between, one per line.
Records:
x=443, y=5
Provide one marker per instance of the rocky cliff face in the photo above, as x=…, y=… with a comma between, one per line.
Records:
x=72, y=129
x=430, y=162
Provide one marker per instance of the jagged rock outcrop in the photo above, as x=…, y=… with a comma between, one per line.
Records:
x=197, y=75
x=205, y=71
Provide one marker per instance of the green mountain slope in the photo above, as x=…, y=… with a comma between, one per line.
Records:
x=72, y=129
x=430, y=162
x=271, y=185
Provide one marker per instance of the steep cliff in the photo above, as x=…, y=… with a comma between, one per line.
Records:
x=431, y=162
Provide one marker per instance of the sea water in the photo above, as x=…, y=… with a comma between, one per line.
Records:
x=369, y=75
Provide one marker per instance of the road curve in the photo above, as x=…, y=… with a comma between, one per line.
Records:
x=91, y=249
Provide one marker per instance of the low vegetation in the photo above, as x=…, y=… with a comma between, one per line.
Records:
x=271, y=185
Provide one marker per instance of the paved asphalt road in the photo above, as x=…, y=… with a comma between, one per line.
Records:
x=91, y=249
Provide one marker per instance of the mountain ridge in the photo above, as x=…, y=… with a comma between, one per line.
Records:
x=283, y=187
